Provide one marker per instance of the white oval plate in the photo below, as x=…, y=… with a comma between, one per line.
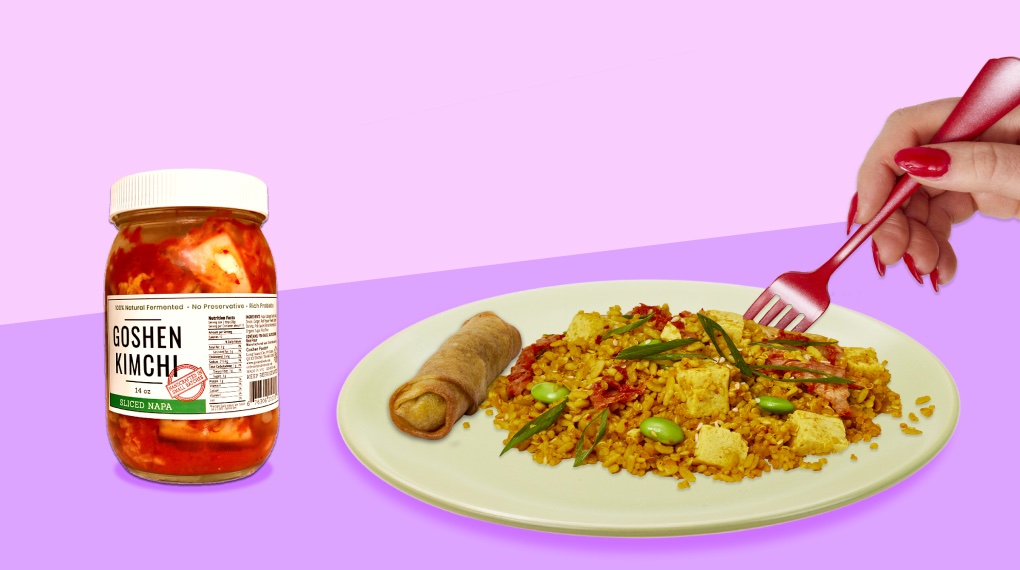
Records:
x=464, y=473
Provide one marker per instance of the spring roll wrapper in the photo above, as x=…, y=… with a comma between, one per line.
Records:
x=455, y=380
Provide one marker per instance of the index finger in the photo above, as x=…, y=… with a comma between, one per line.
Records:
x=911, y=126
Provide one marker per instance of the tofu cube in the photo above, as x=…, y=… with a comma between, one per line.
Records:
x=732, y=323
x=719, y=447
x=863, y=362
x=706, y=389
x=586, y=326
x=670, y=332
x=815, y=434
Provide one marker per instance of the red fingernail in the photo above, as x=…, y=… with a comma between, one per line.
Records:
x=924, y=162
x=853, y=214
x=913, y=268
x=878, y=260
x=935, y=279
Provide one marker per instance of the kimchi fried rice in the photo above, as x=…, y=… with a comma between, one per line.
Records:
x=696, y=382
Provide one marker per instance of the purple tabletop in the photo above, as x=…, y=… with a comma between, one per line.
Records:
x=67, y=500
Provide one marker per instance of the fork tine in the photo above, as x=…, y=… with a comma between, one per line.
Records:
x=803, y=324
x=774, y=312
x=760, y=303
x=788, y=318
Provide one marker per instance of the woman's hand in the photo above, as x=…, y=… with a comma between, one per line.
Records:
x=957, y=180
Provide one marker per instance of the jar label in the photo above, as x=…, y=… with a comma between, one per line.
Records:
x=191, y=357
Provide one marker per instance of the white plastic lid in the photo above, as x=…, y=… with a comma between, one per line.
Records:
x=189, y=187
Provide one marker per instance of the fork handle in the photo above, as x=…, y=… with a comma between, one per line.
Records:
x=994, y=93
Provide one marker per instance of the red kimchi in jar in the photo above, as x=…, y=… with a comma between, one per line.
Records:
x=192, y=386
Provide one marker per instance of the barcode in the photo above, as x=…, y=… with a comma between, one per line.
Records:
x=261, y=388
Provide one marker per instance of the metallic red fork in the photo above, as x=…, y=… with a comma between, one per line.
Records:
x=994, y=93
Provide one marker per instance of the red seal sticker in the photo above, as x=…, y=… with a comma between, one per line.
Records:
x=187, y=387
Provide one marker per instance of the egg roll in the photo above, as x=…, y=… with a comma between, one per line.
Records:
x=455, y=380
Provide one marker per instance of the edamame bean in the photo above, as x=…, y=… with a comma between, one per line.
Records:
x=662, y=431
x=775, y=405
x=549, y=392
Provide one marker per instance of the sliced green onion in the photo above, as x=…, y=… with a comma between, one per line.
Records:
x=823, y=378
x=639, y=351
x=712, y=327
x=627, y=328
x=603, y=418
x=541, y=423
x=795, y=342
x=677, y=356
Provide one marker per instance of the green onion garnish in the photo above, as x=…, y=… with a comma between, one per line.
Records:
x=823, y=378
x=627, y=328
x=712, y=327
x=795, y=342
x=677, y=356
x=603, y=418
x=541, y=423
x=644, y=351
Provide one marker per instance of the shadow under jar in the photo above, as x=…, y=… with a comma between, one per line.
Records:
x=192, y=384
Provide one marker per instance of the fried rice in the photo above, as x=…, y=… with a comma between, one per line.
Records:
x=837, y=392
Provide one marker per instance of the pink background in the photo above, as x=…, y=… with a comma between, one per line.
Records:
x=503, y=140
x=401, y=138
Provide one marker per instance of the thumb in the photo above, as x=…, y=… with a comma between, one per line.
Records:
x=965, y=167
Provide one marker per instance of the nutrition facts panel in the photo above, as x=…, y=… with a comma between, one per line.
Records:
x=225, y=370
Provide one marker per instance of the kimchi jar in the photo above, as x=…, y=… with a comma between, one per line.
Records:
x=191, y=326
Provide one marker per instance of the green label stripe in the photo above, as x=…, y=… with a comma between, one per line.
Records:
x=154, y=406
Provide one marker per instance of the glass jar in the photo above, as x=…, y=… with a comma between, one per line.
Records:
x=191, y=341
